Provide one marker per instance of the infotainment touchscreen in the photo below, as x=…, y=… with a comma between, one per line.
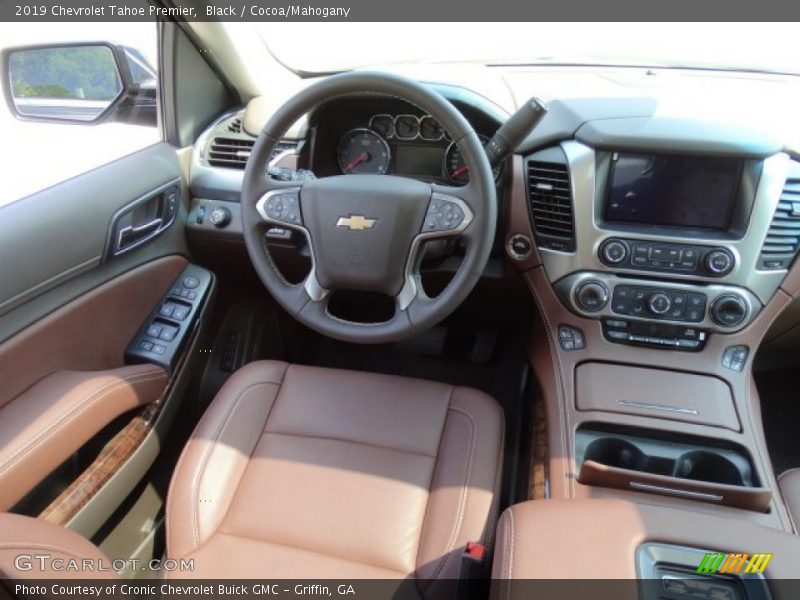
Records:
x=672, y=191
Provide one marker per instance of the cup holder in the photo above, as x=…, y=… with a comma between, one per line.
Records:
x=677, y=465
x=702, y=465
x=615, y=452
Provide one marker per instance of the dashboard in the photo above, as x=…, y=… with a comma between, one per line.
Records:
x=666, y=229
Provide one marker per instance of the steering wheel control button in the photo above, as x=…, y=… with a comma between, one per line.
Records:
x=734, y=357
x=571, y=338
x=519, y=247
x=614, y=252
x=591, y=296
x=284, y=208
x=279, y=233
x=728, y=310
x=443, y=215
x=220, y=217
x=719, y=262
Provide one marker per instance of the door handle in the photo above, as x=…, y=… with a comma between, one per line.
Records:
x=131, y=235
x=143, y=219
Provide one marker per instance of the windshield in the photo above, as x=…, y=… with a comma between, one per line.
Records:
x=326, y=47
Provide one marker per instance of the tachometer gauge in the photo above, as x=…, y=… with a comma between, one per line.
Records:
x=456, y=169
x=363, y=151
x=383, y=125
x=430, y=130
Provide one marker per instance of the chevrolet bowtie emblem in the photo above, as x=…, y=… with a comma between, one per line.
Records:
x=356, y=222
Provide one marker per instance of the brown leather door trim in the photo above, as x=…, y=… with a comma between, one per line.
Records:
x=88, y=334
x=44, y=426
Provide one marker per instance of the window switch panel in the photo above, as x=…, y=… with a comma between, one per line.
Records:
x=164, y=335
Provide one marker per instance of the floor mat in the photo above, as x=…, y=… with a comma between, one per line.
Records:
x=780, y=411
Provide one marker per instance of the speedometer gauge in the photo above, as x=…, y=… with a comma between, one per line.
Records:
x=456, y=169
x=363, y=151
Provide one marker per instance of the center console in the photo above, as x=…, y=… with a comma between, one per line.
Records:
x=656, y=273
x=597, y=548
x=662, y=238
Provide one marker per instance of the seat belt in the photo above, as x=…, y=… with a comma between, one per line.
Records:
x=473, y=583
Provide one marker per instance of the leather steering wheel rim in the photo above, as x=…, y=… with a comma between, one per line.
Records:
x=304, y=206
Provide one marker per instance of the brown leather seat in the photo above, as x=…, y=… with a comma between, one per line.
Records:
x=305, y=472
x=34, y=549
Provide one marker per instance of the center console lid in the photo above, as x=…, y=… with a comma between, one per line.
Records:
x=618, y=539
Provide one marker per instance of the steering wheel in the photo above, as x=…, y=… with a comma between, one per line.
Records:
x=366, y=232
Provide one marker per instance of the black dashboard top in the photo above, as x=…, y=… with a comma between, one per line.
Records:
x=633, y=124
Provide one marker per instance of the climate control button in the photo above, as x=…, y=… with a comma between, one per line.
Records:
x=591, y=296
x=659, y=303
x=728, y=310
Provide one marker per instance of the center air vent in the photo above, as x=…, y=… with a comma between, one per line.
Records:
x=783, y=237
x=233, y=152
x=551, y=205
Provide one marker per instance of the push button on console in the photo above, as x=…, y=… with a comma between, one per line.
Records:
x=659, y=303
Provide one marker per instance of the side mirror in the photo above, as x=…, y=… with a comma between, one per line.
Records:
x=77, y=83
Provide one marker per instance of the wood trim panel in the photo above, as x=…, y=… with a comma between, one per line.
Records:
x=115, y=453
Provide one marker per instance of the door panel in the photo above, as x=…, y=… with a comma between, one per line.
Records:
x=70, y=304
x=63, y=231
x=89, y=333
x=53, y=245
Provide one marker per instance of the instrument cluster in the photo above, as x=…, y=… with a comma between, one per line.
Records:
x=403, y=144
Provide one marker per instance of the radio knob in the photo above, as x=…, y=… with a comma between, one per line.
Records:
x=592, y=296
x=729, y=310
x=719, y=262
x=659, y=303
x=614, y=251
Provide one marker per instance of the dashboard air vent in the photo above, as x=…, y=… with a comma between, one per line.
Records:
x=233, y=152
x=551, y=205
x=229, y=152
x=783, y=237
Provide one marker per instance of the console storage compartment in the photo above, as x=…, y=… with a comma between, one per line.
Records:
x=647, y=461
x=655, y=393
x=589, y=540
